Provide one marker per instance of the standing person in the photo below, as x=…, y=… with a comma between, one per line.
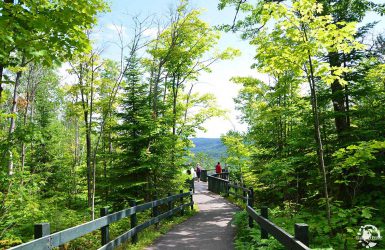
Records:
x=194, y=174
x=198, y=171
x=218, y=168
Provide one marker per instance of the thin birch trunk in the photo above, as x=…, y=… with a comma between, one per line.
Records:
x=12, y=125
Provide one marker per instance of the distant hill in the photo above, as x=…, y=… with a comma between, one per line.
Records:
x=211, y=146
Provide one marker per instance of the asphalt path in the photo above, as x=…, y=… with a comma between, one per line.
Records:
x=209, y=229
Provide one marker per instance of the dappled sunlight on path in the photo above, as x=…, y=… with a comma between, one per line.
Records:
x=209, y=229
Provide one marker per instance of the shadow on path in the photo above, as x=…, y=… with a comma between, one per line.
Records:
x=209, y=229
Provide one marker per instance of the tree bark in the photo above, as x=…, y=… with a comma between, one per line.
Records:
x=88, y=137
x=341, y=118
x=1, y=81
x=89, y=131
x=88, y=158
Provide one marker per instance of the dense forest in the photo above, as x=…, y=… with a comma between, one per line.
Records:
x=116, y=130
x=315, y=148
x=109, y=131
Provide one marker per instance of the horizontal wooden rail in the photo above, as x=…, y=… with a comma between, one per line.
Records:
x=59, y=238
x=281, y=235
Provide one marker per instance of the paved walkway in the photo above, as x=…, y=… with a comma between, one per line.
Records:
x=209, y=229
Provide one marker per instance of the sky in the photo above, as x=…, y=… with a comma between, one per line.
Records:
x=216, y=82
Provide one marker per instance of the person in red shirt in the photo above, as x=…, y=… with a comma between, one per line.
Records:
x=218, y=168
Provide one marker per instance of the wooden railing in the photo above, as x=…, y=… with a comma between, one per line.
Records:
x=44, y=240
x=220, y=184
x=205, y=173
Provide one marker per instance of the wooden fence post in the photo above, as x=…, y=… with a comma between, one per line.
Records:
x=250, y=202
x=301, y=232
x=181, y=201
x=155, y=211
x=105, y=231
x=204, y=175
x=41, y=230
x=264, y=214
x=169, y=204
x=134, y=221
x=244, y=193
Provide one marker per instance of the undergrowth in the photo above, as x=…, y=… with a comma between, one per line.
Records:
x=321, y=236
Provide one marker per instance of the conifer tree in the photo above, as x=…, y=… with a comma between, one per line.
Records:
x=131, y=173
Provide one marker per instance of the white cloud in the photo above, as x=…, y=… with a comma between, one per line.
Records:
x=218, y=83
x=151, y=32
x=116, y=28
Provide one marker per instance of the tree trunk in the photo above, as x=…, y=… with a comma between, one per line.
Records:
x=88, y=159
x=93, y=189
x=174, y=102
x=90, y=127
x=23, y=148
x=85, y=106
x=29, y=94
x=341, y=117
x=88, y=143
x=1, y=81
x=175, y=88
x=317, y=132
x=155, y=92
x=76, y=160
x=12, y=125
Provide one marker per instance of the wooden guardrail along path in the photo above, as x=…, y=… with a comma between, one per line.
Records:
x=217, y=183
x=220, y=183
x=44, y=240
